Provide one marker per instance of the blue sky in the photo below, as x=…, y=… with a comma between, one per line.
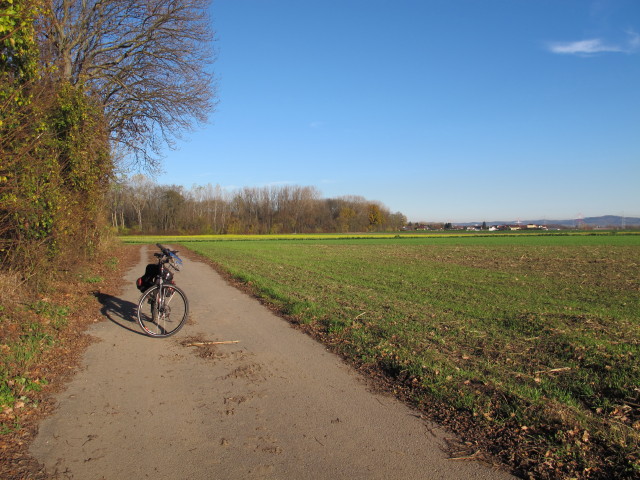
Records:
x=444, y=110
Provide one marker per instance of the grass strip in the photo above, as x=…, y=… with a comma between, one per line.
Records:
x=447, y=234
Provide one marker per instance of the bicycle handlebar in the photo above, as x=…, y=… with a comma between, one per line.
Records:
x=170, y=254
x=165, y=250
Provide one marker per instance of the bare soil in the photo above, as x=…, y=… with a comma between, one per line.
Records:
x=276, y=404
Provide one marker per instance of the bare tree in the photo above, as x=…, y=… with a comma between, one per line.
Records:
x=116, y=198
x=147, y=61
x=217, y=207
x=140, y=191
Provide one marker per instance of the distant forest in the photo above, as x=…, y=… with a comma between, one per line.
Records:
x=139, y=205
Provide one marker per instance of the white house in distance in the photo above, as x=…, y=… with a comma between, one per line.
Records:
x=530, y=226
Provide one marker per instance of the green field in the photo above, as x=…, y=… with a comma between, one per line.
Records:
x=368, y=236
x=535, y=339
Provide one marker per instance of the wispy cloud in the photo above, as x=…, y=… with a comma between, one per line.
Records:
x=634, y=40
x=596, y=45
x=278, y=183
x=583, y=47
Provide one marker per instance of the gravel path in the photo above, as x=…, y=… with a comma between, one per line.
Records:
x=275, y=405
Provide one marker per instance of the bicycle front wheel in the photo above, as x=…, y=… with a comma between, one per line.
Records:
x=162, y=310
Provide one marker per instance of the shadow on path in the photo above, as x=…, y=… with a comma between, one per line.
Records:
x=119, y=311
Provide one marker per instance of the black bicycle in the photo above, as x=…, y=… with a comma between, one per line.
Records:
x=163, y=308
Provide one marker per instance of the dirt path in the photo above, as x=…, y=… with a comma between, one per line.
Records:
x=275, y=405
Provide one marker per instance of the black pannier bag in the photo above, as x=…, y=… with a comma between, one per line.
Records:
x=149, y=277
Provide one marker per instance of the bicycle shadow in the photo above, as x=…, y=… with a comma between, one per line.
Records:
x=119, y=311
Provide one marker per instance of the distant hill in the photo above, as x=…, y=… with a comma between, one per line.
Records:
x=604, y=221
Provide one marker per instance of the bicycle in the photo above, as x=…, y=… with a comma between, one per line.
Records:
x=163, y=308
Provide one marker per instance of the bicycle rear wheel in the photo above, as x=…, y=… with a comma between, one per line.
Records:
x=162, y=310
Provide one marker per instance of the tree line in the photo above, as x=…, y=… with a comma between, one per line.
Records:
x=139, y=205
